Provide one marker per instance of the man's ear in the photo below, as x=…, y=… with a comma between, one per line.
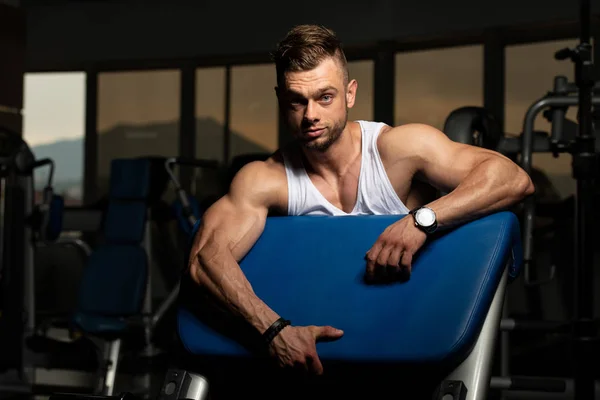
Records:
x=351, y=93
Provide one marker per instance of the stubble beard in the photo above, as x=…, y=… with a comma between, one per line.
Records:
x=332, y=135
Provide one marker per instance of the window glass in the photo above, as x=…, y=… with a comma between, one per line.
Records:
x=138, y=115
x=430, y=84
x=54, y=126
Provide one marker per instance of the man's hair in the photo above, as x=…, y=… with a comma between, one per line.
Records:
x=304, y=47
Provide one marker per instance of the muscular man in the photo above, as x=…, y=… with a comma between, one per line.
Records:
x=338, y=167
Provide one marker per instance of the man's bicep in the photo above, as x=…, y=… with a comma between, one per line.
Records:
x=445, y=163
x=236, y=220
x=232, y=224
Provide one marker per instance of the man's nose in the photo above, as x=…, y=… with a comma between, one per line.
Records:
x=311, y=111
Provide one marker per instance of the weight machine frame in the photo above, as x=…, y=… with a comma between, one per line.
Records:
x=585, y=168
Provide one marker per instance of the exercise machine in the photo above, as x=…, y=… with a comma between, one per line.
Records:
x=578, y=139
x=24, y=224
x=186, y=210
x=434, y=334
x=585, y=170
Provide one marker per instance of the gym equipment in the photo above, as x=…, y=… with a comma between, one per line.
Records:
x=436, y=331
x=114, y=307
x=187, y=209
x=23, y=224
x=580, y=140
x=585, y=170
x=475, y=126
x=120, y=266
x=443, y=322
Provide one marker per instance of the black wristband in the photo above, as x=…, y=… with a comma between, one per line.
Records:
x=274, y=329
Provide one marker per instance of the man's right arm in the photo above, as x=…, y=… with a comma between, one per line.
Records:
x=228, y=230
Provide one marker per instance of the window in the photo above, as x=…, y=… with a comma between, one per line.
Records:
x=362, y=71
x=138, y=115
x=210, y=129
x=210, y=113
x=53, y=126
x=254, y=114
x=431, y=84
x=530, y=72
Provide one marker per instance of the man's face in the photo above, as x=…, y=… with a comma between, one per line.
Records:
x=315, y=104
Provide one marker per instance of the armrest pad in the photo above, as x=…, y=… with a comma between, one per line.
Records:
x=310, y=270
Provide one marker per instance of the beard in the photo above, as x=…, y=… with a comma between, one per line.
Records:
x=331, y=135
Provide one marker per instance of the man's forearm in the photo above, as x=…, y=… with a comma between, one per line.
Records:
x=222, y=276
x=493, y=185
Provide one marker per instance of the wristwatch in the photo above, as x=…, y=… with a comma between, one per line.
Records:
x=425, y=219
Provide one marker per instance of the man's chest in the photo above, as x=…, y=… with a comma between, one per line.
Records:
x=344, y=192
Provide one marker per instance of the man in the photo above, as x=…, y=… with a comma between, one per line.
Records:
x=337, y=167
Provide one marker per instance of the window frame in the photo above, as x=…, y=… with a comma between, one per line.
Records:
x=494, y=41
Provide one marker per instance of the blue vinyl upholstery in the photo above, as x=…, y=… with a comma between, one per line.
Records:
x=310, y=270
x=130, y=179
x=114, y=280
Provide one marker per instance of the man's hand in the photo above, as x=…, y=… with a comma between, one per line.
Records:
x=391, y=256
x=295, y=347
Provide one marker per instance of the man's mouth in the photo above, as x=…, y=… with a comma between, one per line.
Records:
x=314, y=132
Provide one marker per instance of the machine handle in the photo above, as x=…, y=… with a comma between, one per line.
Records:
x=194, y=162
x=43, y=162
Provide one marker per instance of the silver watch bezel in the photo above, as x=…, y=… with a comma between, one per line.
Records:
x=421, y=211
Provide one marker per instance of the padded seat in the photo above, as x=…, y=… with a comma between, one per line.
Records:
x=113, y=287
x=117, y=282
x=310, y=270
x=101, y=326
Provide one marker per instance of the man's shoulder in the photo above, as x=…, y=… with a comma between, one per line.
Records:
x=397, y=131
x=270, y=168
x=406, y=138
x=264, y=182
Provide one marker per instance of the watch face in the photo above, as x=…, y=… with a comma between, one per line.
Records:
x=425, y=217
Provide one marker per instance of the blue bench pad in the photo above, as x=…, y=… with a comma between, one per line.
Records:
x=310, y=270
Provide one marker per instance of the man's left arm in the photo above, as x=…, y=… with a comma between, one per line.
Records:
x=478, y=182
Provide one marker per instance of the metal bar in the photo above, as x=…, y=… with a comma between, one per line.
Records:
x=527, y=143
x=165, y=305
x=509, y=324
x=527, y=383
x=494, y=76
x=187, y=123
x=584, y=171
x=90, y=147
x=475, y=370
x=227, y=124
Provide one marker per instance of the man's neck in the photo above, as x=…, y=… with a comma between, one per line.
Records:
x=335, y=161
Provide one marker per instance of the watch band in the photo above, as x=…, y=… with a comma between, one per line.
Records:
x=274, y=329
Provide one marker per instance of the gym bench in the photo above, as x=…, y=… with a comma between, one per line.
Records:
x=432, y=336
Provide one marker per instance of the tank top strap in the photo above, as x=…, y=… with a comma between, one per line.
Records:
x=377, y=191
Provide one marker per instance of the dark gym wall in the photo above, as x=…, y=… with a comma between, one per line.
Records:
x=12, y=65
x=72, y=33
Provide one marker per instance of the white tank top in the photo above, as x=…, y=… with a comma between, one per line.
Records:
x=375, y=196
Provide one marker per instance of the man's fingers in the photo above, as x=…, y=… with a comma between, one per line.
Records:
x=384, y=255
x=370, y=271
x=315, y=364
x=395, y=256
x=406, y=261
x=371, y=258
x=326, y=333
